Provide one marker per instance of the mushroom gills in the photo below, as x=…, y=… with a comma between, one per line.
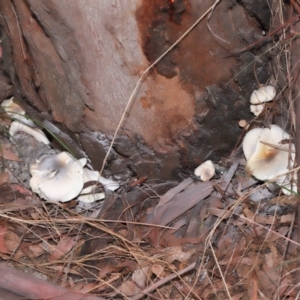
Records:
x=267, y=157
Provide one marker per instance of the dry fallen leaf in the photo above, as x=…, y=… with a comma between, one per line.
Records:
x=158, y=270
x=140, y=276
x=129, y=288
x=12, y=240
x=3, y=229
x=65, y=244
x=32, y=251
x=108, y=269
x=84, y=288
x=21, y=189
x=176, y=253
x=7, y=154
x=4, y=178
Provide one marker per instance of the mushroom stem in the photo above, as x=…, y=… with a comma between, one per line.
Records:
x=91, y=197
x=34, y=132
x=90, y=175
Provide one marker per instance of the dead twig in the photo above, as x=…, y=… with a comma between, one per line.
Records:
x=264, y=40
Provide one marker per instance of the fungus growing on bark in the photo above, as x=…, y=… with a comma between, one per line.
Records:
x=57, y=177
x=205, y=171
x=267, y=155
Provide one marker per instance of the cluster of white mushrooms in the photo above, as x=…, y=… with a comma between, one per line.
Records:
x=269, y=152
x=260, y=97
x=60, y=177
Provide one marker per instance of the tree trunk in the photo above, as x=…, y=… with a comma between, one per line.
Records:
x=74, y=65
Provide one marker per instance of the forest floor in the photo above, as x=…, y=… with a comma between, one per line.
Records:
x=227, y=238
x=232, y=237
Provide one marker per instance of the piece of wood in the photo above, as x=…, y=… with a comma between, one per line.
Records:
x=31, y=287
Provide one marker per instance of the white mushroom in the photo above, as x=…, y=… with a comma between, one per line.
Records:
x=88, y=194
x=90, y=175
x=250, y=141
x=242, y=123
x=23, y=124
x=57, y=177
x=90, y=198
x=257, y=109
x=61, y=178
x=12, y=108
x=266, y=156
x=263, y=94
x=38, y=134
x=15, y=111
x=205, y=171
x=110, y=184
x=259, y=97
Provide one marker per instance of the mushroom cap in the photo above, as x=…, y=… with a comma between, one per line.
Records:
x=243, y=123
x=263, y=94
x=57, y=177
x=16, y=112
x=257, y=109
x=266, y=162
x=11, y=107
x=250, y=140
x=205, y=171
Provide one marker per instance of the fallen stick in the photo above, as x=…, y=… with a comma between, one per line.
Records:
x=30, y=287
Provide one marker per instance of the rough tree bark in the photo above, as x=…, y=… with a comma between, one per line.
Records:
x=74, y=64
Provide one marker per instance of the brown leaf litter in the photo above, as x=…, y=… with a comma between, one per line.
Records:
x=209, y=241
x=229, y=238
